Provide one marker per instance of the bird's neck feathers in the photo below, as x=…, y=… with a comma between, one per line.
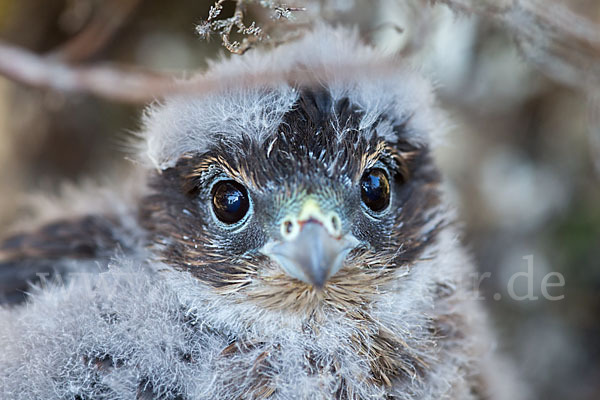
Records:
x=400, y=339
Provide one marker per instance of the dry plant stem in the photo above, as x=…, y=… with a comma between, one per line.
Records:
x=225, y=27
x=252, y=33
x=136, y=86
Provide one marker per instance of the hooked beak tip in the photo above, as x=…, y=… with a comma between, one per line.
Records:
x=313, y=256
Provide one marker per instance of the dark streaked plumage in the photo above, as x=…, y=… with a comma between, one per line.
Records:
x=53, y=250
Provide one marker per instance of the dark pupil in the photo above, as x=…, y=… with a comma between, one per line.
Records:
x=375, y=190
x=230, y=201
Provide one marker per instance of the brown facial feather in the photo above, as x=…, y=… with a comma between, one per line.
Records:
x=192, y=250
x=306, y=149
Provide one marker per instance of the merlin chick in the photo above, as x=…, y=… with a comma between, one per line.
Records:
x=288, y=241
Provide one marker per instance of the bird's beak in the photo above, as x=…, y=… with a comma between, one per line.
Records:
x=313, y=248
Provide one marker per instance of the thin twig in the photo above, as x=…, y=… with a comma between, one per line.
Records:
x=130, y=85
x=251, y=33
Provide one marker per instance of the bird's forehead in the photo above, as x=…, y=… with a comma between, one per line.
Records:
x=328, y=115
x=319, y=137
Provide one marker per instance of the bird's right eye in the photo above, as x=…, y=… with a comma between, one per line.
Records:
x=230, y=201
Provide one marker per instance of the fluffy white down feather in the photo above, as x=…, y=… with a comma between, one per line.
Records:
x=153, y=323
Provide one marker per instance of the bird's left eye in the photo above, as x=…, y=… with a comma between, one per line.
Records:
x=375, y=189
x=230, y=201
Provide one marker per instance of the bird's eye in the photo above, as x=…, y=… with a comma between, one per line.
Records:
x=230, y=201
x=375, y=189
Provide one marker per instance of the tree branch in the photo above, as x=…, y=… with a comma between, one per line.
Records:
x=109, y=82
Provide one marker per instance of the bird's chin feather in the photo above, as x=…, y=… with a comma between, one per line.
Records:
x=355, y=286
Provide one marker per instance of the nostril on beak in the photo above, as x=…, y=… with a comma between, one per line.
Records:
x=289, y=229
x=288, y=226
x=336, y=225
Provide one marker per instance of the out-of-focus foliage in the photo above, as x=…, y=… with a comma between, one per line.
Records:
x=521, y=155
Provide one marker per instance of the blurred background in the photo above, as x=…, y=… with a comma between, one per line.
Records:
x=521, y=156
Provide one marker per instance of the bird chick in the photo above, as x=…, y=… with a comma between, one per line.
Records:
x=288, y=241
